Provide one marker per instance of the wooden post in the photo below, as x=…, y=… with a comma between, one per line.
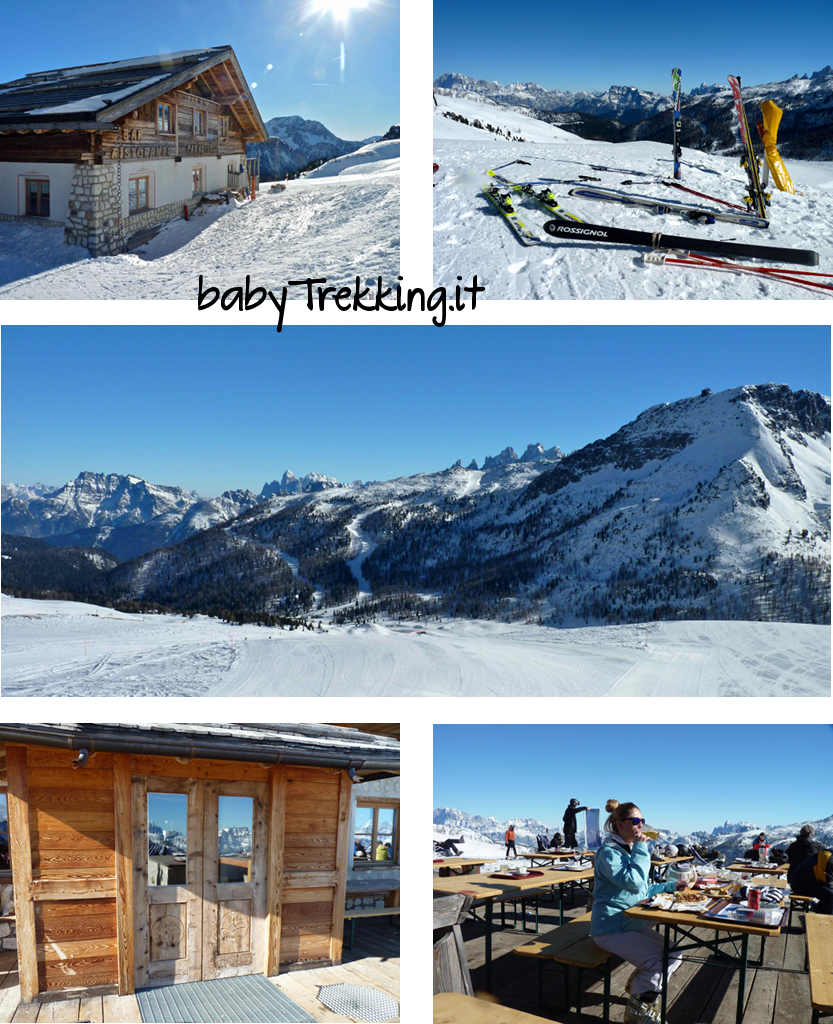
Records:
x=342, y=857
x=274, y=906
x=124, y=872
x=21, y=851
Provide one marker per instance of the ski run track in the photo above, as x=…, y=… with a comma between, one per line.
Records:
x=66, y=649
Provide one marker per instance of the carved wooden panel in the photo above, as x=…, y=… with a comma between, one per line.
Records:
x=234, y=932
x=168, y=931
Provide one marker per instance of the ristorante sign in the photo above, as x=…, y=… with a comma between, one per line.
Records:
x=159, y=152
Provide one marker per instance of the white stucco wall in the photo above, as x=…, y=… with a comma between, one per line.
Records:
x=13, y=187
x=169, y=182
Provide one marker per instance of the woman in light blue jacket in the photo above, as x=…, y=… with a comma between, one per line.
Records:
x=621, y=880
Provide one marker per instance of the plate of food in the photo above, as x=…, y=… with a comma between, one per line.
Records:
x=686, y=899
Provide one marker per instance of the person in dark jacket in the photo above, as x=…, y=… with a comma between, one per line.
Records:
x=803, y=847
x=557, y=841
x=570, y=825
x=814, y=877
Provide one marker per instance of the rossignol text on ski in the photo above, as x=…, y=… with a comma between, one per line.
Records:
x=678, y=124
x=657, y=240
x=756, y=197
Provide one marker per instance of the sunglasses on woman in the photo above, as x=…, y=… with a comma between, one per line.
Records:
x=637, y=821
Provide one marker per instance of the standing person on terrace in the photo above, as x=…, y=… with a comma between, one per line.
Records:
x=510, y=841
x=570, y=824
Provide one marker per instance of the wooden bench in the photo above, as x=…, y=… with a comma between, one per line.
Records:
x=804, y=903
x=357, y=912
x=571, y=946
x=820, y=956
x=451, y=969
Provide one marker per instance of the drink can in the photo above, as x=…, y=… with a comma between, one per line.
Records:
x=754, y=899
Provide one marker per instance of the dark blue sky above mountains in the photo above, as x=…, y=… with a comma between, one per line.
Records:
x=215, y=408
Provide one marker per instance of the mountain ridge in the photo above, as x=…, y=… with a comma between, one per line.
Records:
x=730, y=839
x=712, y=506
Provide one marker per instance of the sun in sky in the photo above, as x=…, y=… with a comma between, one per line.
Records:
x=340, y=9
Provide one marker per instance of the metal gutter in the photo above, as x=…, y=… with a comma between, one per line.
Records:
x=145, y=743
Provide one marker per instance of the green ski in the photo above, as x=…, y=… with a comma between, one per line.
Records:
x=503, y=202
x=542, y=196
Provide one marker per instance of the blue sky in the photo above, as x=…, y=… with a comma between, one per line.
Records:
x=292, y=52
x=216, y=408
x=683, y=777
x=582, y=46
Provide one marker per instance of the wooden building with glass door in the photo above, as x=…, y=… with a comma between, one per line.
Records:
x=152, y=855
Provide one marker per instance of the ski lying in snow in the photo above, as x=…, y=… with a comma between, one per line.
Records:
x=504, y=204
x=622, y=170
x=702, y=195
x=682, y=188
x=627, y=236
x=691, y=212
x=802, y=277
x=543, y=197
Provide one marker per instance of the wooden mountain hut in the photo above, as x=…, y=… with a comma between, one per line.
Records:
x=156, y=854
x=110, y=150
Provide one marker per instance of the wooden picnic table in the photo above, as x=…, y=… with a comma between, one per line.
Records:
x=455, y=1008
x=551, y=855
x=754, y=868
x=486, y=891
x=469, y=866
x=683, y=920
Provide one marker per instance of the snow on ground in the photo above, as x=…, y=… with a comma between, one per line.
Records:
x=314, y=228
x=471, y=236
x=54, y=648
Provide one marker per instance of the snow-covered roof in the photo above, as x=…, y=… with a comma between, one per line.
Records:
x=95, y=95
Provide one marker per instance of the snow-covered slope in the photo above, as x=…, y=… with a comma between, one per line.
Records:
x=377, y=157
x=720, y=482
x=472, y=238
x=64, y=648
x=311, y=229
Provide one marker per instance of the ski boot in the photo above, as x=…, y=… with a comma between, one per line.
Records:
x=644, y=1009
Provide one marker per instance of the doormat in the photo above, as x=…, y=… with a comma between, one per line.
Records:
x=359, y=1002
x=250, y=999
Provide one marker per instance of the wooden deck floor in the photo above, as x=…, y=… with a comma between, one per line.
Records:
x=373, y=961
x=698, y=993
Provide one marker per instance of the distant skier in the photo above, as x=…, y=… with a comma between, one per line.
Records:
x=510, y=841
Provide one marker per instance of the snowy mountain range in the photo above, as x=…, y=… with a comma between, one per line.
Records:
x=624, y=114
x=123, y=514
x=294, y=143
x=732, y=839
x=714, y=506
x=128, y=516
x=621, y=102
